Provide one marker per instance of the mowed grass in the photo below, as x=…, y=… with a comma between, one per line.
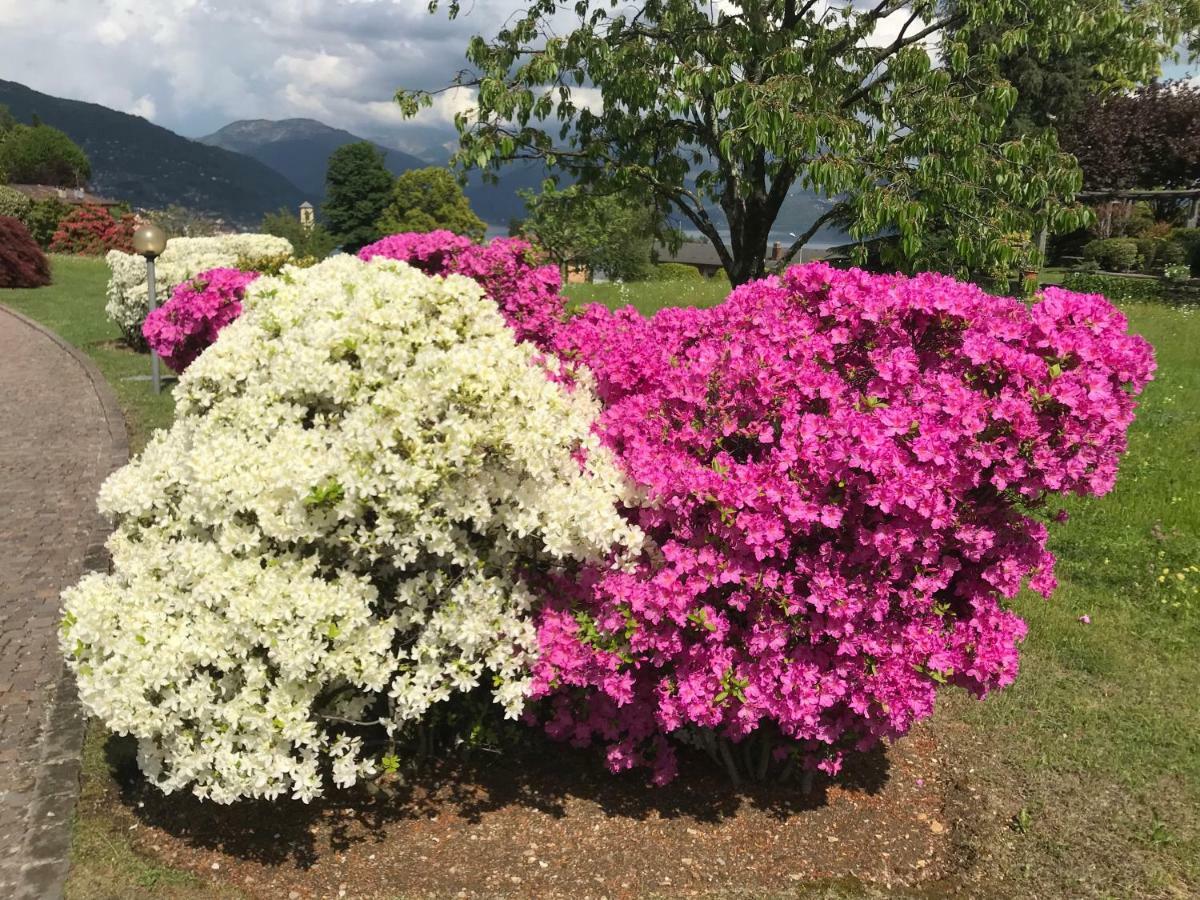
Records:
x=73, y=306
x=1093, y=756
x=1081, y=780
x=649, y=297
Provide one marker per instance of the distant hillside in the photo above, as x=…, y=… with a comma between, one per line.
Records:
x=148, y=166
x=299, y=149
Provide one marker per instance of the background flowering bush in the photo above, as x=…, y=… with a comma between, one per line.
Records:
x=92, y=230
x=839, y=471
x=183, y=327
x=333, y=531
x=183, y=259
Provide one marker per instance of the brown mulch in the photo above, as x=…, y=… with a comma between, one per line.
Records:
x=557, y=825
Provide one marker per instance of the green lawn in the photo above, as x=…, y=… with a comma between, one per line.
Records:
x=651, y=296
x=1082, y=780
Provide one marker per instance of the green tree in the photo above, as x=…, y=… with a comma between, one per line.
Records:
x=7, y=121
x=39, y=154
x=602, y=232
x=737, y=104
x=428, y=200
x=357, y=186
x=316, y=241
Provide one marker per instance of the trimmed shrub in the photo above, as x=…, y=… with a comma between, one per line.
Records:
x=1188, y=240
x=1150, y=253
x=184, y=258
x=22, y=263
x=674, y=272
x=42, y=219
x=13, y=203
x=337, y=529
x=91, y=230
x=1113, y=254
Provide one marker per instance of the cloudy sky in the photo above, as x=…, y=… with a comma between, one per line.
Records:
x=195, y=65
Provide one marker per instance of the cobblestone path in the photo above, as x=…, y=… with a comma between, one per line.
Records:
x=61, y=433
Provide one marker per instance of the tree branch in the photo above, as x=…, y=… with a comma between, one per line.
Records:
x=812, y=229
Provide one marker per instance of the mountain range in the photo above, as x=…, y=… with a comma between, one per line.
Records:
x=254, y=166
x=299, y=149
x=148, y=166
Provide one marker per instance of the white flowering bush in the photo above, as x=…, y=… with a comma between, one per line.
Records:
x=184, y=258
x=332, y=537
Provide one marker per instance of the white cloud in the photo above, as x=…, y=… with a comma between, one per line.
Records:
x=143, y=106
x=195, y=65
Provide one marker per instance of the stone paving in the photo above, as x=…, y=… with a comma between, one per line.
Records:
x=61, y=433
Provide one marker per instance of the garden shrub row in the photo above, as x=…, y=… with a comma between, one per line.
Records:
x=1148, y=254
x=670, y=271
x=1122, y=288
x=402, y=484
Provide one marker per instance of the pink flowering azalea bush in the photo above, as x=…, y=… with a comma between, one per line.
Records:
x=183, y=327
x=527, y=293
x=840, y=471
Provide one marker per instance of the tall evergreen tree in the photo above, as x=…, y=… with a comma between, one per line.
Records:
x=358, y=186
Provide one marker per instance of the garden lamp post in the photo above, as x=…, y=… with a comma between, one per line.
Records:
x=150, y=241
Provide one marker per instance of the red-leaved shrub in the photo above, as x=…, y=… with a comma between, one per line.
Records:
x=22, y=263
x=92, y=230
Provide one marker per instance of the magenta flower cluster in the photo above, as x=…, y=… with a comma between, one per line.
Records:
x=527, y=294
x=183, y=327
x=842, y=470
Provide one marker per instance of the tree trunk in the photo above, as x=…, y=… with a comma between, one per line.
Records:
x=749, y=230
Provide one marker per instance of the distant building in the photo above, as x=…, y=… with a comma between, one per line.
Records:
x=307, y=218
x=72, y=196
x=703, y=256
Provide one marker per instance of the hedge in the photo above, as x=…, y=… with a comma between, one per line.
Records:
x=1125, y=288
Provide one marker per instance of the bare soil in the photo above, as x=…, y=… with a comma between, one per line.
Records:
x=553, y=824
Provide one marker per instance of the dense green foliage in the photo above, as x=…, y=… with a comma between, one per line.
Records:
x=357, y=189
x=315, y=242
x=39, y=154
x=429, y=199
x=598, y=231
x=42, y=219
x=735, y=104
